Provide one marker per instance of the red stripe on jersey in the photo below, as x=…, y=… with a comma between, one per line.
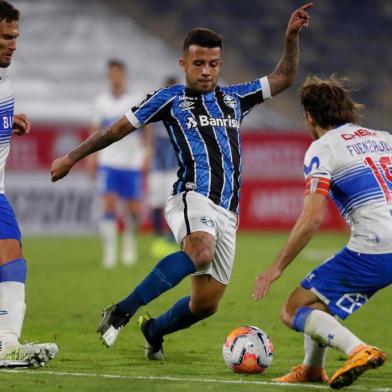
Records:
x=317, y=185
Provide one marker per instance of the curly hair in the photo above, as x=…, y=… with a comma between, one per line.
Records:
x=329, y=101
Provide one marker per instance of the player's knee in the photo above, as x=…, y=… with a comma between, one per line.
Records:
x=203, y=258
x=200, y=247
x=286, y=315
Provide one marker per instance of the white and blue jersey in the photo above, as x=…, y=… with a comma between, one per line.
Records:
x=8, y=226
x=204, y=132
x=353, y=165
x=6, y=121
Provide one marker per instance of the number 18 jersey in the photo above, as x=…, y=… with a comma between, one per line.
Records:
x=353, y=165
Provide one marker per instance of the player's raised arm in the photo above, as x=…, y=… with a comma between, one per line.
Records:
x=96, y=142
x=307, y=224
x=284, y=73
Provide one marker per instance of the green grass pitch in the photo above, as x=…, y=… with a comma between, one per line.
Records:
x=67, y=288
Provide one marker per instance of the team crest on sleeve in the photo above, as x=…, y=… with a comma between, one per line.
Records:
x=230, y=101
x=314, y=164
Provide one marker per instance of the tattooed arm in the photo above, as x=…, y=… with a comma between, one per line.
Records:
x=284, y=73
x=96, y=142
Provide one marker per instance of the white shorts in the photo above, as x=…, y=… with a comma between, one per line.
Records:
x=190, y=211
x=160, y=186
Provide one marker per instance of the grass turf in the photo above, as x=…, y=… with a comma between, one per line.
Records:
x=67, y=288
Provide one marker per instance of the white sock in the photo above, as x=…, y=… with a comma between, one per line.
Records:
x=325, y=329
x=129, y=245
x=108, y=231
x=12, y=311
x=315, y=352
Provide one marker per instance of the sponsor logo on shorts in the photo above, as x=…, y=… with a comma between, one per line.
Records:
x=351, y=302
x=206, y=220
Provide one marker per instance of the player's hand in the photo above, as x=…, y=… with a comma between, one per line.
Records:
x=60, y=168
x=21, y=125
x=264, y=281
x=299, y=19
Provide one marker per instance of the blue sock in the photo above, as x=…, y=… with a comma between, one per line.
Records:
x=179, y=316
x=13, y=271
x=166, y=274
x=300, y=317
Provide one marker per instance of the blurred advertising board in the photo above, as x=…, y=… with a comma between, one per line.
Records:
x=272, y=193
x=273, y=182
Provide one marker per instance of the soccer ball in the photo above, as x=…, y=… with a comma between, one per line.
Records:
x=248, y=350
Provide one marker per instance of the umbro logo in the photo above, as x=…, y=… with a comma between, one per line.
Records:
x=186, y=105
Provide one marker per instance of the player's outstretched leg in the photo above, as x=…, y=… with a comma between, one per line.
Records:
x=166, y=274
x=326, y=329
x=312, y=368
x=361, y=359
x=31, y=355
x=12, y=311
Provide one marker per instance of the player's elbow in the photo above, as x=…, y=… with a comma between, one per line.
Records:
x=312, y=219
x=280, y=81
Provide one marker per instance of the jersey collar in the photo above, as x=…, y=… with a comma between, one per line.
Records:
x=207, y=96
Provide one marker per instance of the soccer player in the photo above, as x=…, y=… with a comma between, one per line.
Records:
x=351, y=164
x=12, y=263
x=203, y=121
x=119, y=169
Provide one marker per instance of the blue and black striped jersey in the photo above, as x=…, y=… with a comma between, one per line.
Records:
x=204, y=131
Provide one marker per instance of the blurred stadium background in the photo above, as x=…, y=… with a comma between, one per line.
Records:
x=59, y=68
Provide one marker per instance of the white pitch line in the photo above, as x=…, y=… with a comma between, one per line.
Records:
x=185, y=379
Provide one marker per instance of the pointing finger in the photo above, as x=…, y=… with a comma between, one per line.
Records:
x=306, y=6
